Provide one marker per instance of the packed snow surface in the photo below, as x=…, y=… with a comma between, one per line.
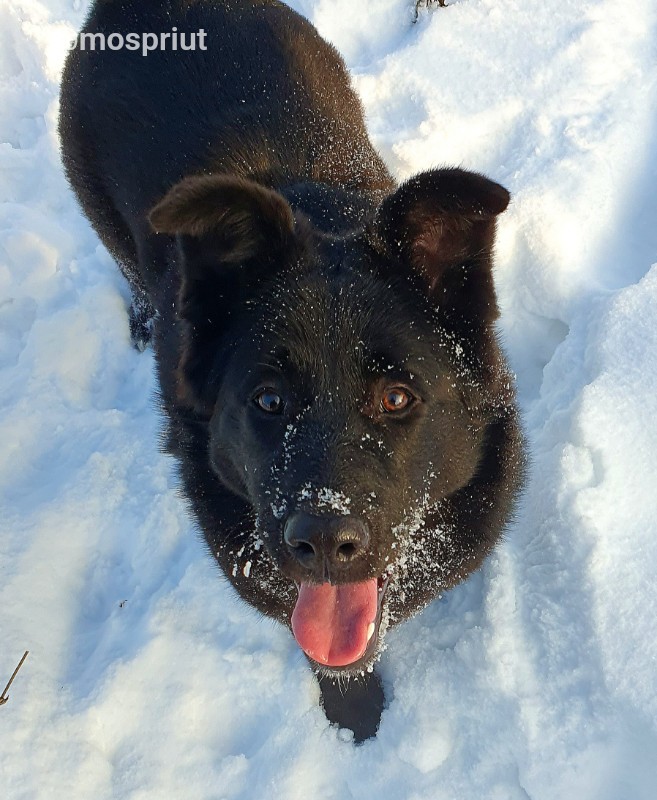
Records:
x=147, y=678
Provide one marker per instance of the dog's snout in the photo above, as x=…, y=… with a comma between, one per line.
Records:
x=333, y=541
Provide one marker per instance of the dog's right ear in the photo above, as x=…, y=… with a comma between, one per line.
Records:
x=234, y=218
x=231, y=234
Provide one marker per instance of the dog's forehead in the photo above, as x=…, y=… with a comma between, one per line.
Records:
x=339, y=319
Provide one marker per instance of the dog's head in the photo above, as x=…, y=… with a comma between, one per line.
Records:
x=351, y=385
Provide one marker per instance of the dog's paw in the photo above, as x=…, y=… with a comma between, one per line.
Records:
x=141, y=316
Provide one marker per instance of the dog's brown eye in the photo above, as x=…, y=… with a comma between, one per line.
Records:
x=269, y=401
x=396, y=399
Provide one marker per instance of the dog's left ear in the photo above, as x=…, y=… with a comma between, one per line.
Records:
x=441, y=224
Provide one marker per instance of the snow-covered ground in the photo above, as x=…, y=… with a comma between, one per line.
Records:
x=147, y=678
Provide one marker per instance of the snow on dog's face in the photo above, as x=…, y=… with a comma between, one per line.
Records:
x=348, y=385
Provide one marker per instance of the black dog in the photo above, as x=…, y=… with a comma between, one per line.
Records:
x=336, y=398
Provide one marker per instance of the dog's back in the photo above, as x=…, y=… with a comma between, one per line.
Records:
x=267, y=99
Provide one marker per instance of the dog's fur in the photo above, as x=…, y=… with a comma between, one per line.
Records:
x=292, y=288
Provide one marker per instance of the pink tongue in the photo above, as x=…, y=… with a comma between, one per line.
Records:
x=331, y=623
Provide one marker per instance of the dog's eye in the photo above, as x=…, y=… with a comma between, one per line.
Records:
x=269, y=401
x=396, y=399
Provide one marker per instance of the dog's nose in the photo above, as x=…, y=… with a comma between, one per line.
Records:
x=334, y=541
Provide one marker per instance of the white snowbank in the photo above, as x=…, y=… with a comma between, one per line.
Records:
x=147, y=678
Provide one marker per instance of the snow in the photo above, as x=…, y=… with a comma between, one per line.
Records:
x=537, y=678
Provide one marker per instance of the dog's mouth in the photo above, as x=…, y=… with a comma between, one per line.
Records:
x=338, y=626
